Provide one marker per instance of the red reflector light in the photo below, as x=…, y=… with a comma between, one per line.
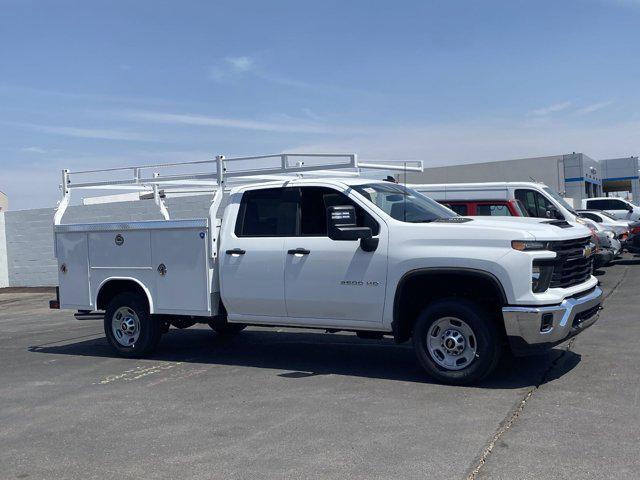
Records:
x=54, y=304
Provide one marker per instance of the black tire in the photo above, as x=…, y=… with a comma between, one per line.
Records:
x=484, y=345
x=149, y=329
x=225, y=328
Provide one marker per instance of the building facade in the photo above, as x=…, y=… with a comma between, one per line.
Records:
x=573, y=175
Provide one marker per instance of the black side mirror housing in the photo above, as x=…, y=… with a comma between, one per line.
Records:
x=629, y=208
x=342, y=226
x=552, y=212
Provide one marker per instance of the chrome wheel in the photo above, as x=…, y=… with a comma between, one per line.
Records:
x=125, y=326
x=451, y=343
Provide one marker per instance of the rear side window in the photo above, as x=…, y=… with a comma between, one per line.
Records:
x=493, y=210
x=270, y=212
x=459, y=208
x=609, y=204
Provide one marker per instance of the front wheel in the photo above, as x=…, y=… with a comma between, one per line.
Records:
x=456, y=341
x=129, y=327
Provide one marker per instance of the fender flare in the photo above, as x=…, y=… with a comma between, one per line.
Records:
x=482, y=274
x=135, y=280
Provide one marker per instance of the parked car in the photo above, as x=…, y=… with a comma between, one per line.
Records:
x=523, y=199
x=487, y=208
x=308, y=249
x=617, y=207
x=534, y=199
x=609, y=247
x=620, y=227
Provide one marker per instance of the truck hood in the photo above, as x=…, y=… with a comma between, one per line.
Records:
x=527, y=227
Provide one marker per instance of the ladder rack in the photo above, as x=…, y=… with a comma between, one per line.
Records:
x=149, y=178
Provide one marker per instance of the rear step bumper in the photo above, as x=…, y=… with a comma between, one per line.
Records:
x=532, y=329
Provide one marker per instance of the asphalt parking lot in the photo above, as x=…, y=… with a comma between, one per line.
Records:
x=295, y=404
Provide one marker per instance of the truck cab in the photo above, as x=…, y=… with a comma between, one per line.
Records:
x=338, y=253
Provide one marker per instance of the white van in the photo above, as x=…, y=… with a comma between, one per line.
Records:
x=617, y=207
x=537, y=199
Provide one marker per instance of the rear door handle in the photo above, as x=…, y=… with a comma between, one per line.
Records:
x=299, y=251
x=236, y=251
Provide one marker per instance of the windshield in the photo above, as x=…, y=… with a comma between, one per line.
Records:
x=608, y=215
x=402, y=203
x=556, y=196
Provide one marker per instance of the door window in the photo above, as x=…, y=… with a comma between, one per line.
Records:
x=314, y=202
x=534, y=202
x=493, y=210
x=607, y=204
x=270, y=212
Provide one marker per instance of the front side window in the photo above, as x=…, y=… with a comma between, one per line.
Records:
x=534, y=202
x=314, y=202
x=402, y=203
x=493, y=210
x=607, y=204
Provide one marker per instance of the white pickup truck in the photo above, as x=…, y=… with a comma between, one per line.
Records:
x=324, y=249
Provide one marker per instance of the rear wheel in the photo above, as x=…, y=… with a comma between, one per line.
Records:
x=129, y=327
x=456, y=341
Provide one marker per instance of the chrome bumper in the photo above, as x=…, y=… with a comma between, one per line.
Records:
x=530, y=329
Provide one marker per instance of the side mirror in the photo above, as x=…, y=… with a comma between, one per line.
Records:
x=552, y=212
x=342, y=225
x=629, y=208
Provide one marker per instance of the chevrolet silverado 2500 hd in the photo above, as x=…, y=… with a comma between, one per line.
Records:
x=322, y=248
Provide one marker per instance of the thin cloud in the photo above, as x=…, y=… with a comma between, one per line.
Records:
x=594, y=107
x=232, y=68
x=240, y=64
x=207, y=121
x=37, y=150
x=557, y=107
x=96, y=133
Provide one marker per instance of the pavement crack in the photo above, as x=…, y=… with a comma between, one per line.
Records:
x=618, y=283
x=515, y=413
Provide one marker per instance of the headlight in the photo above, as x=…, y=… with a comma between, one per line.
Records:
x=541, y=273
x=610, y=234
x=523, y=245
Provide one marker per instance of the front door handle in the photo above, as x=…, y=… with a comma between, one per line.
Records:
x=236, y=251
x=299, y=251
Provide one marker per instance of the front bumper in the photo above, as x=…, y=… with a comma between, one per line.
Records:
x=531, y=329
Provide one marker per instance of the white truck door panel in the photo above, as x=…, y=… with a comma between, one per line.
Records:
x=252, y=282
x=73, y=269
x=179, y=261
x=336, y=280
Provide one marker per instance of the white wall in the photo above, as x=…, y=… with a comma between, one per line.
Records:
x=4, y=268
x=29, y=233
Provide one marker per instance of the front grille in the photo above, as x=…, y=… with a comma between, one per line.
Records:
x=571, y=266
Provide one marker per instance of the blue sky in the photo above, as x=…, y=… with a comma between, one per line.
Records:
x=92, y=84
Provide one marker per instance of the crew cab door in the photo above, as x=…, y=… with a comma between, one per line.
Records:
x=329, y=279
x=251, y=255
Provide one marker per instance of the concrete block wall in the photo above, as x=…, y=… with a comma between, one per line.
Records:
x=29, y=254
x=4, y=272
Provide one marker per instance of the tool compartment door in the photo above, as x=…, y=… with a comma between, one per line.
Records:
x=73, y=269
x=180, y=262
